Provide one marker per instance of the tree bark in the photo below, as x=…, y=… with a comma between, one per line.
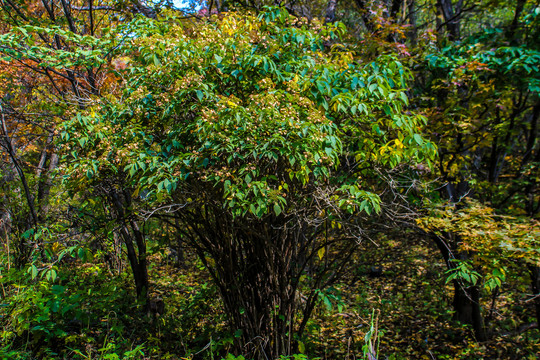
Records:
x=394, y=8
x=466, y=301
x=515, y=21
x=44, y=177
x=535, y=287
x=137, y=261
x=468, y=310
x=22, y=177
x=412, y=33
x=330, y=11
x=132, y=237
x=364, y=14
x=452, y=17
x=257, y=268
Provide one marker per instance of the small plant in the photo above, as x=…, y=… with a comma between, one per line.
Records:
x=372, y=338
x=463, y=271
x=294, y=357
x=232, y=357
x=110, y=351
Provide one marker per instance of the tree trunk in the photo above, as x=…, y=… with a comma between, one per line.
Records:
x=515, y=21
x=412, y=33
x=137, y=262
x=535, y=287
x=364, y=13
x=256, y=287
x=255, y=268
x=452, y=17
x=468, y=310
x=132, y=236
x=330, y=11
x=45, y=182
x=466, y=301
x=264, y=313
x=180, y=258
x=394, y=8
x=13, y=156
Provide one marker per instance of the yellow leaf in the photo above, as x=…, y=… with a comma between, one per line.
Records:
x=301, y=347
x=321, y=253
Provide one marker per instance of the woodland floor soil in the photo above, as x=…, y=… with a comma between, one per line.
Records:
x=409, y=299
x=395, y=284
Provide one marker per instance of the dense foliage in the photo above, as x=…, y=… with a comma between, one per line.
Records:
x=254, y=180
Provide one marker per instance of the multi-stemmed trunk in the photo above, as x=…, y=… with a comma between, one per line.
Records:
x=254, y=271
x=257, y=264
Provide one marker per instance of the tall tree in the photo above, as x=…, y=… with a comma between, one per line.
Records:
x=61, y=52
x=483, y=101
x=266, y=146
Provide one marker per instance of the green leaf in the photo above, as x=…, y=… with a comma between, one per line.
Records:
x=53, y=274
x=33, y=271
x=81, y=253
x=156, y=60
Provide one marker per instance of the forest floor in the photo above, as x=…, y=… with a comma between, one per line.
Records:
x=413, y=306
x=397, y=286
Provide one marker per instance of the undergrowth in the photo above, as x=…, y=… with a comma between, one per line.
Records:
x=399, y=311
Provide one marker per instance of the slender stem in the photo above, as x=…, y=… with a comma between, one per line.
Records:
x=13, y=156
